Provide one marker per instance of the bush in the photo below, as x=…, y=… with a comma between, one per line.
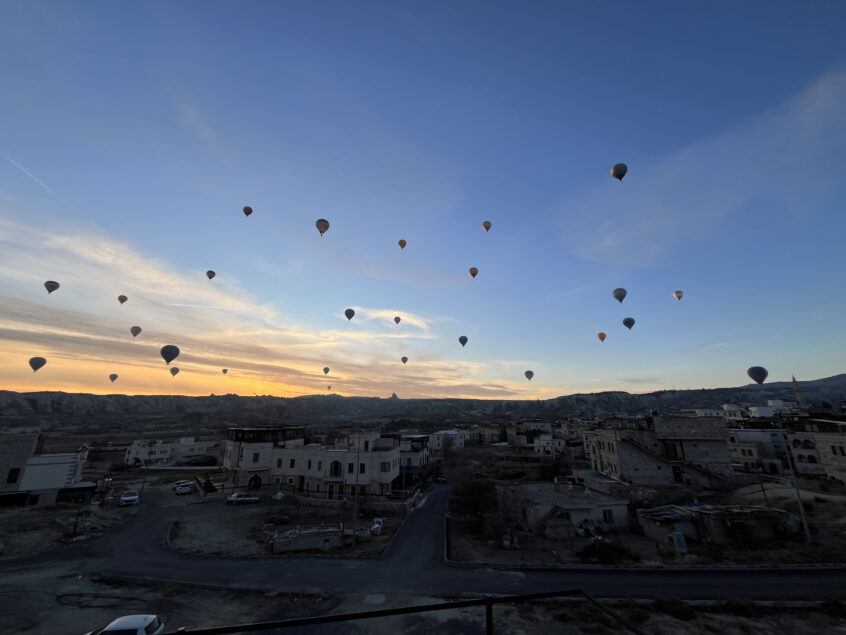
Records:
x=599, y=552
x=834, y=608
x=674, y=607
x=741, y=607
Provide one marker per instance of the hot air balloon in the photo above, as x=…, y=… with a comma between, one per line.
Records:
x=529, y=374
x=210, y=274
x=122, y=299
x=135, y=330
x=169, y=353
x=325, y=370
x=629, y=323
x=462, y=340
x=601, y=336
x=322, y=225
x=397, y=320
x=678, y=294
x=619, y=171
x=51, y=285
x=620, y=294
x=248, y=210
x=36, y=362
x=328, y=387
x=757, y=374
x=402, y=243
x=225, y=370
x=113, y=376
x=487, y=225
x=174, y=371
x=403, y=359
x=349, y=313
x=473, y=271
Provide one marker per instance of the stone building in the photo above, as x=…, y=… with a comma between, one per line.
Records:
x=170, y=451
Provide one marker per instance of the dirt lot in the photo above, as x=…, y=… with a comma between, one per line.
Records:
x=30, y=530
x=214, y=528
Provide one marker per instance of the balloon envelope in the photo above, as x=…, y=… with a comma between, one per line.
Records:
x=629, y=323
x=36, y=362
x=328, y=387
x=210, y=274
x=174, y=371
x=51, y=285
x=473, y=271
x=601, y=337
x=169, y=353
x=487, y=225
x=113, y=376
x=397, y=320
x=678, y=295
x=135, y=330
x=619, y=294
x=248, y=210
x=225, y=370
x=404, y=359
x=122, y=299
x=619, y=171
x=462, y=340
x=757, y=374
x=322, y=225
x=402, y=243
x=349, y=313
x=325, y=370
x=529, y=374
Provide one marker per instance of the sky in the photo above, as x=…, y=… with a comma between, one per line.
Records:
x=133, y=134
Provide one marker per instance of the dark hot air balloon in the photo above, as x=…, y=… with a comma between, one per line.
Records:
x=619, y=294
x=122, y=299
x=601, y=336
x=349, y=313
x=629, y=323
x=36, y=362
x=403, y=359
x=135, y=330
x=225, y=370
x=248, y=210
x=402, y=243
x=487, y=225
x=473, y=272
x=328, y=387
x=529, y=374
x=169, y=353
x=678, y=295
x=210, y=274
x=174, y=371
x=325, y=370
x=397, y=320
x=51, y=285
x=757, y=374
x=619, y=171
x=462, y=340
x=112, y=377
x=322, y=225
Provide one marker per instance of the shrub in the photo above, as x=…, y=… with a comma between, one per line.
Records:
x=834, y=608
x=674, y=607
x=607, y=553
x=741, y=607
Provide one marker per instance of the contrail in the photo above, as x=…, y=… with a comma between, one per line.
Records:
x=28, y=173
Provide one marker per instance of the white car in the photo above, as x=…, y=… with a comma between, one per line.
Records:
x=183, y=487
x=242, y=497
x=132, y=625
x=129, y=498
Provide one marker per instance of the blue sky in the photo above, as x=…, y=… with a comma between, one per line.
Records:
x=133, y=134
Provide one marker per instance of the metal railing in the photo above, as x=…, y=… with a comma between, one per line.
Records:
x=487, y=602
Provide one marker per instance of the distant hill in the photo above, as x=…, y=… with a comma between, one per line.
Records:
x=59, y=408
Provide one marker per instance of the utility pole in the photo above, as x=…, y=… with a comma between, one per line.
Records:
x=355, y=497
x=798, y=496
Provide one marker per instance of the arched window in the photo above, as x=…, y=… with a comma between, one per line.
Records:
x=812, y=459
x=808, y=444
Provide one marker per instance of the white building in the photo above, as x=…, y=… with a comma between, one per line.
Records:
x=450, y=439
x=169, y=451
x=34, y=478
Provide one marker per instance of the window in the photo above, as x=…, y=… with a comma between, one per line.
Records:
x=319, y=465
x=317, y=487
x=152, y=626
x=350, y=468
x=290, y=481
x=309, y=464
x=293, y=462
x=608, y=515
x=255, y=457
x=361, y=468
x=13, y=475
x=278, y=462
x=366, y=446
x=386, y=466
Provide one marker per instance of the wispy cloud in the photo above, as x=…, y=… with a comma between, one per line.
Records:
x=28, y=173
x=711, y=347
x=660, y=206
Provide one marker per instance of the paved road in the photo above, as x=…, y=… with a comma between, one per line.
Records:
x=413, y=565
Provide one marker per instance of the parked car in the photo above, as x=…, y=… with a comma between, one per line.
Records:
x=242, y=497
x=440, y=478
x=129, y=497
x=183, y=487
x=132, y=625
